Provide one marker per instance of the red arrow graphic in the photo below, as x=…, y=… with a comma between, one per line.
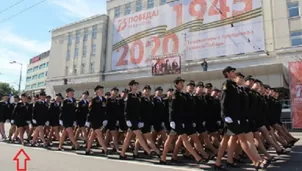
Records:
x=20, y=157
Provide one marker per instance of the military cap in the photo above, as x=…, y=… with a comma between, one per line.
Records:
x=115, y=89
x=69, y=90
x=49, y=97
x=178, y=79
x=191, y=83
x=239, y=74
x=125, y=91
x=37, y=96
x=228, y=69
x=16, y=97
x=59, y=95
x=171, y=89
x=215, y=89
x=159, y=88
x=258, y=81
x=208, y=85
x=28, y=97
x=200, y=84
x=132, y=82
x=108, y=94
x=147, y=87
x=86, y=92
x=23, y=95
x=266, y=86
x=42, y=93
x=249, y=78
x=98, y=87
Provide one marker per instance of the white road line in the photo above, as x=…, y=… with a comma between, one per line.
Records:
x=101, y=158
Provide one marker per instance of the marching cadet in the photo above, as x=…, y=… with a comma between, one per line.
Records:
x=40, y=118
x=82, y=113
x=121, y=113
x=54, y=117
x=230, y=99
x=159, y=115
x=112, y=115
x=178, y=125
x=31, y=104
x=107, y=95
x=13, y=129
x=168, y=104
x=20, y=115
x=4, y=114
x=97, y=119
x=200, y=117
x=133, y=120
x=68, y=119
x=146, y=118
x=217, y=113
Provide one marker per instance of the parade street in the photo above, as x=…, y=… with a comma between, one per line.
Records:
x=52, y=160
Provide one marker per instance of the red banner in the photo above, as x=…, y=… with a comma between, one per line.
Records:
x=295, y=71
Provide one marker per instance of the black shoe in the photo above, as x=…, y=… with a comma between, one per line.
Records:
x=163, y=162
x=220, y=167
x=123, y=157
x=282, y=152
x=232, y=165
x=87, y=152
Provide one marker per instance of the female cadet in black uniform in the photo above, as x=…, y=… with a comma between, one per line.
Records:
x=159, y=115
x=68, y=119
x=20, y=114
x=200, y=117
x=82, y=113
x=40, y=119
x=112, y=115
x=133, y=120
x=97, y=119
x=177, y=122
x=4, y=114
x=13, y=129
x=146, y=117
x=54, y=117
x=121, y=115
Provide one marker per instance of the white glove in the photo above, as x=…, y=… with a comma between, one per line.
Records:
x=172, y=125
x=238, y=122
x=61, y=122
x=105, y=122
x=219, y=122
x=129, y=124
x=204, y=123
x=228, y=120
x=140, y=124
x=194, y=125
x=34, y=121
x=47, y=123
x=12, y=121
x=183, y=125
x=28, y=122
x=87, y=124
x=75, y=123
x=117, y=123
x=163, y=125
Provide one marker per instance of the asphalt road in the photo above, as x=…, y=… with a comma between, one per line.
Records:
x=52, y=160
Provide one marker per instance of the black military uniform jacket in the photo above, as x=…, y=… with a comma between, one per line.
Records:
x=5, y=111
x=147, y=108
x=178, y=111
x=113, y=110
x=68, y=110
x=132, y=108
x=40, y=112
x=159, y=111
x=20, y=113
x=54, y=112
x=98, y=109
x=82, y=110
x=190, y=107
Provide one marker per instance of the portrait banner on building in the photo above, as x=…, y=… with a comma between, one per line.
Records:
x=166, y=65
x=295, y=71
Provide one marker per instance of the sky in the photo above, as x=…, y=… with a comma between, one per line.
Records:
x=25, y=35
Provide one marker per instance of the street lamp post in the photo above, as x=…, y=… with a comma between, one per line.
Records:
x=20, y=78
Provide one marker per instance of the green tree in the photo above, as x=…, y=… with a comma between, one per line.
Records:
x=5, y=88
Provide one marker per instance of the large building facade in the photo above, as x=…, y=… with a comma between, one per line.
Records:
x=257, y=37
x=37, y=71
x=77, y=54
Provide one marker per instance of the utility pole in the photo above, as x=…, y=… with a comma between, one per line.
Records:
x=20, y=77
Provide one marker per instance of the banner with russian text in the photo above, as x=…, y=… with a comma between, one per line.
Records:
x=198, y=28
x=295, y=71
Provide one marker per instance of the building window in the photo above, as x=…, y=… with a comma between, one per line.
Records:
x=46, y=73
x=27, y=87
x=47, y=64
x=127, y=8
x=69, y=38
x=76, y=53
x=42, y=66
x=84, y=51
x=29, y=70
x=94, y=31
x=28, y=79
x=66, y=70
x=117, y=11
x=41, y=84
x=93, y=50
x=82, y=68
x=293, y=9
x=75, y=70
x=139, y=5
x=85, y=38
x=162, y=2
x=91, y=67
x=150, y=4
x=78, y=36
x=33, y=85
x=68, y=54
x=34, y=77
x=35, y=68
x=296, y=38
x=41, y=75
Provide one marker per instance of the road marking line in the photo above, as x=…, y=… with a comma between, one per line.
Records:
x=120, y=161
